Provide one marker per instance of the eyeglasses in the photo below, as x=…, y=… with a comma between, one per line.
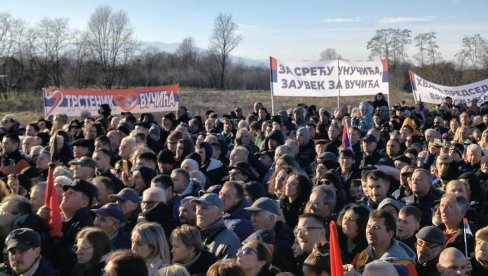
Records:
x=306, y=230
x=149, y=203
x=317, y=204
x=246, y=250
x=424, y=244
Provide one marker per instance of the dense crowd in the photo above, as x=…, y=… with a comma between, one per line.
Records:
x=248, y=194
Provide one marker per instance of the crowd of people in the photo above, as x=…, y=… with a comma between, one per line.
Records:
x=248, y=194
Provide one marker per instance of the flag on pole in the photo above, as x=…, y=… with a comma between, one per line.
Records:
x=467, y=229
x=346, y=140
x=54, y=222
x=335, y=251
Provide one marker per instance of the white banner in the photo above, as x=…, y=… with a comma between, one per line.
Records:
x=429, y=92
x=329, y=78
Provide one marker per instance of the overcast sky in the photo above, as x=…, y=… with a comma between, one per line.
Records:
x=292, y=30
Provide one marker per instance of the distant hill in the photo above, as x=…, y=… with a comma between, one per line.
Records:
x=172, y=47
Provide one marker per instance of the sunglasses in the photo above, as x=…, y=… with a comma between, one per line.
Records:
x=246, y=250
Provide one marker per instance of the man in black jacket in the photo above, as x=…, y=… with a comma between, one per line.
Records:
x=264, y=216
x=429, y=245
x=24, y=253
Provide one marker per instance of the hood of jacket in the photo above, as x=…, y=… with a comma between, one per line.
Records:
x=306, y=135
x=397, y=251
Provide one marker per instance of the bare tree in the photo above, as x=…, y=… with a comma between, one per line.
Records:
x=187, y=52
x=474, y=49
x=111, y=41
x=10, y=28
x=224, y=39
x=427, y=48
x=53, y=39
x=390, y=44
x=329, y=54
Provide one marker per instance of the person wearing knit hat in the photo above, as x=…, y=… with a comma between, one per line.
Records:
x=166, y=161
x=274, y=139
x=141, y=178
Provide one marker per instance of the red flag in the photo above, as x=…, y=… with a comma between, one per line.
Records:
x=54, y=222
x=335, y=251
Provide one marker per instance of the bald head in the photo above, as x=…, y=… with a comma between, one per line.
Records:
x=452, y=261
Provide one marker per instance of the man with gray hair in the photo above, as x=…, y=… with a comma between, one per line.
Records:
x=238, y=154
x=322, y=202
x=155, y=209
x=480, y=262
x=472, y=157
x=264, y=216
x=222, y=242
x=453, y=209
x=37, y=195
x=189, y=165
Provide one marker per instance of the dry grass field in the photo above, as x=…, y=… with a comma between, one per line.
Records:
x=29, y=107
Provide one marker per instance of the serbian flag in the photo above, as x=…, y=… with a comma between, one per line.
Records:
x=467, y=229
x=54, y=222
x=346, y=140
x=335, y=251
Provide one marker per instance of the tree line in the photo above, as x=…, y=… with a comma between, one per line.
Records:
x=107, y=55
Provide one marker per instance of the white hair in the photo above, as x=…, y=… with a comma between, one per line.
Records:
x=380, y=268
x=192, y=164
x=199, y=177
x=160, y=195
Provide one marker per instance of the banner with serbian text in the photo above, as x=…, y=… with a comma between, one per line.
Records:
x=429, y=92
x=135, y=100
x=329, y=78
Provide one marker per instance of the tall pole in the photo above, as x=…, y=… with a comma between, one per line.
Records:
x=338, y=80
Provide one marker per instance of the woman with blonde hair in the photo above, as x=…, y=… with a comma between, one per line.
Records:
x=149, y=242
x=483, y=142
x=173, y=270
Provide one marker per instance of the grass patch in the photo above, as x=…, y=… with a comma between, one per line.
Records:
x=29, y=106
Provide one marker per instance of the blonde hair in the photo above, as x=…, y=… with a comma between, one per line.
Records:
x=153, y=234
x=173, y=270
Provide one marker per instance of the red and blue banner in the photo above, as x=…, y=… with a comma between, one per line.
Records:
x=135, y=100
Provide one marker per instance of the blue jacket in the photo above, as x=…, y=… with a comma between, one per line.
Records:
x=239, y=220
x=120, y=240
